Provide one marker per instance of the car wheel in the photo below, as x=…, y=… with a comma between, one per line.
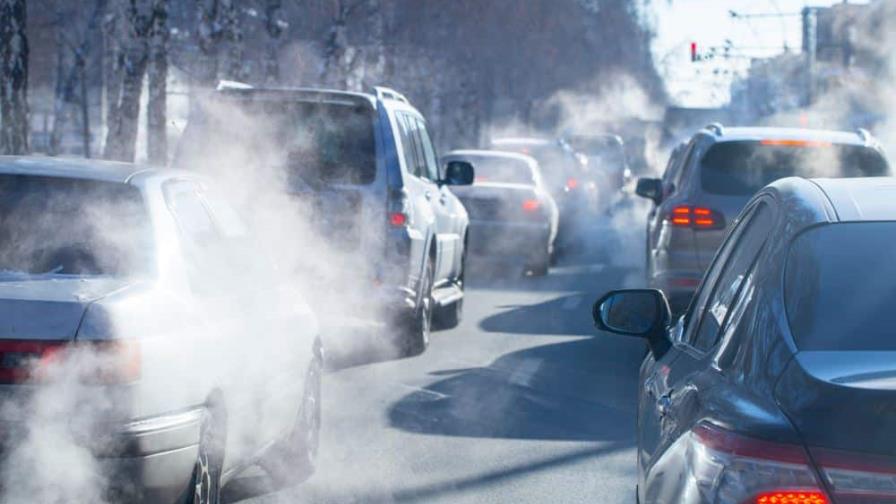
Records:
x=541, y=264
x=205, y=485
x=449, y=317
x=416, y=337
x=291, y=461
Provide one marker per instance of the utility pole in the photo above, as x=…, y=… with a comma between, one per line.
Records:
x=810, y=49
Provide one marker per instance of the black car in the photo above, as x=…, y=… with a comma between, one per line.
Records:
x=780, y=380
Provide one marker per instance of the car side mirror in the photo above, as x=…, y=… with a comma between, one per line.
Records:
x=642, y=313
x=458, y=173
x=650, y=188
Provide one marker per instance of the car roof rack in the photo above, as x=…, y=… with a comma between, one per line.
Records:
x=864, y=134
x=224, y=85
x=716, y=128
x=385, y=93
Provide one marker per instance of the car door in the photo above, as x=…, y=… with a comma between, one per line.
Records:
x=669, y=401
x=448, y=211
x=419, y=190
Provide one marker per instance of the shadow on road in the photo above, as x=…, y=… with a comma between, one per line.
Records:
x=575, y=390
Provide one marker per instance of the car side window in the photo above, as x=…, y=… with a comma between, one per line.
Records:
x=429, y=152
x=698, y=303
x=408, y=140
x=190, y=213
x=737, y=267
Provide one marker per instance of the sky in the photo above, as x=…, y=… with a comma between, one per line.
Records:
x=709, y=23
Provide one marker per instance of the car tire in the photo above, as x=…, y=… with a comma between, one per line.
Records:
x=541, y=264
x=205, y=484
x=414, y=335
x=291, y=461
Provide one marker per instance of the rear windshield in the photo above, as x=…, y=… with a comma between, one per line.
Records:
x=331, y=143
x=503, y=170
x=61, y=226
x=743, y=168
x=839, y=287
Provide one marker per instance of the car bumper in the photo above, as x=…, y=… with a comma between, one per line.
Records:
x=147, y=460
x=501, y=239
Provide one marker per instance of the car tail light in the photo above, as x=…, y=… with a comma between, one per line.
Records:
x=398, y=219
x=696, y=217
x=531, y=205
x=857, y=478
x=795, y=143
x=398, y=208
x=572, y=183
x=95, y=362
x=729, y=467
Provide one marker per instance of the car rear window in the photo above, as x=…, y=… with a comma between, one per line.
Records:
x=64, y=226
x=743, y=168
x=502, y=170
x=839, y=286
x=315, y=142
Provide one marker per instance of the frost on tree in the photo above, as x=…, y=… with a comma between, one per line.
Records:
x=14, y=124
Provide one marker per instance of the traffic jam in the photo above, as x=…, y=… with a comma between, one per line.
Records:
x=377, y=251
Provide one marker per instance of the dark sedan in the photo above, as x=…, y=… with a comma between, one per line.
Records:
x=779, y=383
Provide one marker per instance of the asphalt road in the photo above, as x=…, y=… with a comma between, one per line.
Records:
x=524, y=402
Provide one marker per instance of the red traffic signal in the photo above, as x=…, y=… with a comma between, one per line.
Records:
x=693, y=51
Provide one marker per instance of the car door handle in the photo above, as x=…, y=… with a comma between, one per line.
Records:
x=427, y=195
x=443, y=199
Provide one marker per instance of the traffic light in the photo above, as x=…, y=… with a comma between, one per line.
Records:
x=693, y=51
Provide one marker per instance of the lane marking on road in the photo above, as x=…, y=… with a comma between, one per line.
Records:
x=524, y=374
x=572, y=302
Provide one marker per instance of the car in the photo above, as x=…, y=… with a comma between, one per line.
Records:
x=366, y=166
x=566, y=177
x=607, y=163
x=708, y=181
x=778, y=381
x=513, y=218
x=130, y=341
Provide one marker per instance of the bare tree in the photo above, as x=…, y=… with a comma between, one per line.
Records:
x=134, y=21
x=156, y=107
x=274, y=28
x=208, y=34
x=339, y=55
x=232, y=35
x=71, y=72
x=15, y=127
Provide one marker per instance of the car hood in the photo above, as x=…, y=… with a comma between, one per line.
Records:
x=842, y=400
x=49, y=308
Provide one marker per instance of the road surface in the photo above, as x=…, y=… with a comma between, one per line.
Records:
x=524, y=402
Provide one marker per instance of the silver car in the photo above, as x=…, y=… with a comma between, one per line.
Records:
x=709, y=180
x=513, y=218
x=140, y=327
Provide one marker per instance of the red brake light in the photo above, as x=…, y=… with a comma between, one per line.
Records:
x=94, y=362
x=794, y=143
x=792, y=497
x=531, y=205
x=398, y=219
x=572, y=183
x=696, y=217
x=748, y=470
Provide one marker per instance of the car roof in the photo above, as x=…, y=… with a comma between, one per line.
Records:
x=491, y=153
x=728, y=134
x=89, y=169
x=300, y=94
x=533, y=141
x=861, y=199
